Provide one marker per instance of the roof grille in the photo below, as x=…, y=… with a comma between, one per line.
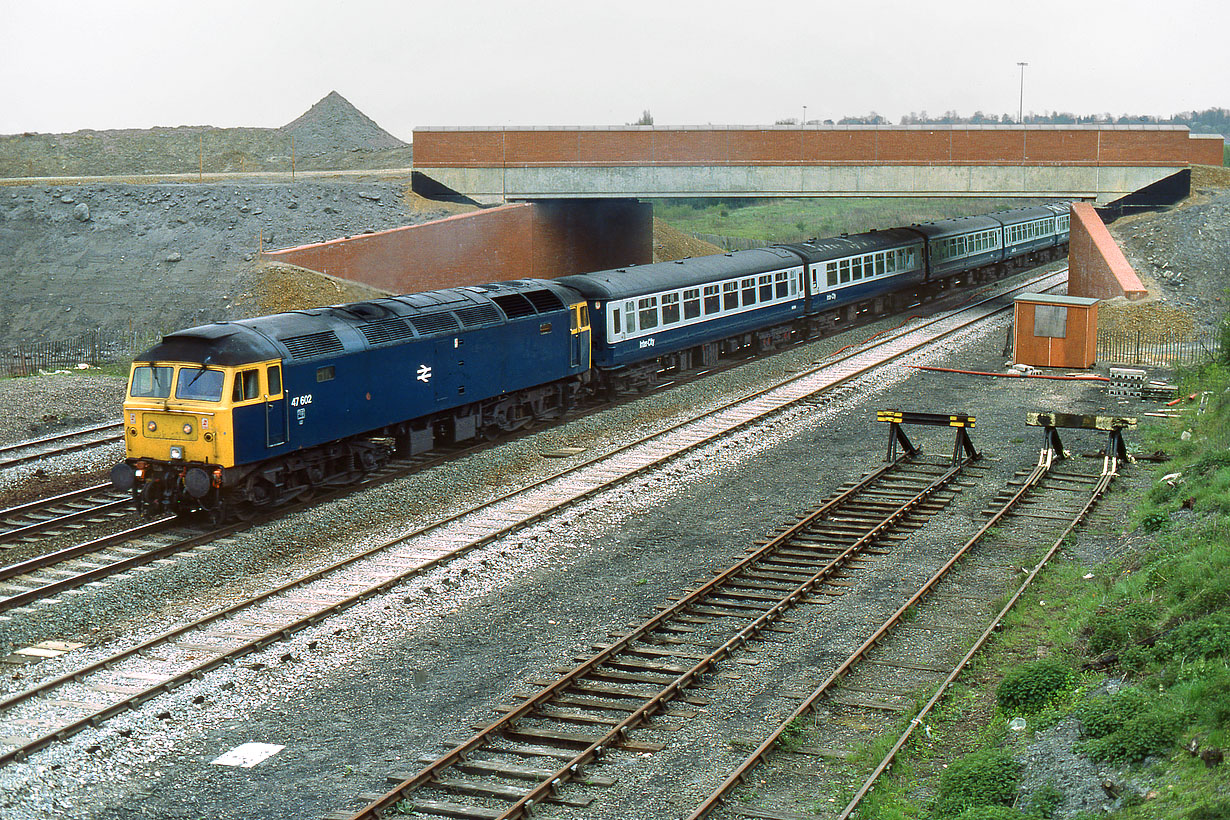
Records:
x=514, y=305
x=386, y=330
x=313, y=344
x=544, y=300
x=434, y=323
x=484, y=314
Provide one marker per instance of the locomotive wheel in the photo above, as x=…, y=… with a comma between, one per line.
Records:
x=260, y=492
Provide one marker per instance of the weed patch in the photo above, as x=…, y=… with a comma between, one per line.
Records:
x=1033, y=686
x=977, y=780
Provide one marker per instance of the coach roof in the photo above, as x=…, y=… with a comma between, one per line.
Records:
x=700, y=270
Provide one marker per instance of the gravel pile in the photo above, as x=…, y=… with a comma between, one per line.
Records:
x=670, y=244
x=1183, y=258
x=156, y=258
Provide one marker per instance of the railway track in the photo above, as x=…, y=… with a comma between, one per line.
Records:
x=653, y=672
x=61, y=706
x=24, y=452
x=29, y=522
x=923, y=646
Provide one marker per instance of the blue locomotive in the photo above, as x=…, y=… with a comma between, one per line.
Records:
x=235, y=416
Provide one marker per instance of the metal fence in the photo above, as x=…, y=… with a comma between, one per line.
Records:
x=94, y=348
x=1157, y=348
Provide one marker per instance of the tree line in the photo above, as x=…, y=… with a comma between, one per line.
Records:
x=1208, y=121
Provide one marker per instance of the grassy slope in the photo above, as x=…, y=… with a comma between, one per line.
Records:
x=790, y=220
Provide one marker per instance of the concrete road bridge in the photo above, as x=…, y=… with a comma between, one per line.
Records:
x=1097, y=162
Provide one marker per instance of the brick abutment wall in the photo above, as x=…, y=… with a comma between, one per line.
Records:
x=523, y=240
x=1096, y=265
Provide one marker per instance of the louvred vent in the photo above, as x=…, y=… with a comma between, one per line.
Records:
x=544, y=300
x=386, y=330
x=434, y=323
x=514, y=305
x=313, y=344
x=477, y=315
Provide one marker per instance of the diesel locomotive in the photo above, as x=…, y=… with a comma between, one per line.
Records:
x=235, y=416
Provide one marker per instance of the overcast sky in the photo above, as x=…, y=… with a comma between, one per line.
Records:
x=138, y=63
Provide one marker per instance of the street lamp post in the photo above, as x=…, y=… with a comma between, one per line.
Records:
x=1020, y=110
x=804, y=122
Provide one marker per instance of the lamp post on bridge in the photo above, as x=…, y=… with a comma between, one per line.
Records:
x=804, y=120
x=1020, y=110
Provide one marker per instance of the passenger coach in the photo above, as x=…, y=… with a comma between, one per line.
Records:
x=667, y=314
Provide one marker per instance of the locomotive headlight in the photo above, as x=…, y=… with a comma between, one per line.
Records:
x=177, y=453
x=151, y=426
x=187, y=428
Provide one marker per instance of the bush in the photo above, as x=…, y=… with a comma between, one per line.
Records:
x=1105, y=714
x=991, y=813
x=1043, y=802
x=1035, y=685
x=983, y=778
x=1217, y=810
x=1206, y=637
x=1118, y=627
x=1152, y=732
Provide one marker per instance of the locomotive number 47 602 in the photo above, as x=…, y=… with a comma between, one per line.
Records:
x=301, y=401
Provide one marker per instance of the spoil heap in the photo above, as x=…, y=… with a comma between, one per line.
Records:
x=333, y=134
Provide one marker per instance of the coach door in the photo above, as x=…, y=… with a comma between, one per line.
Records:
x=579, y=314
x=275, y=407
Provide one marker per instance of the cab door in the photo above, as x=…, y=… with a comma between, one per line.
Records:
x=275, y=407
x=579, y=325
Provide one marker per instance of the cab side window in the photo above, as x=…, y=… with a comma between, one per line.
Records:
x=275, y=380
x=247, y=385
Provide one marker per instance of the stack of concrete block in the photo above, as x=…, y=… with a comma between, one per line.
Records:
x=1126, y=382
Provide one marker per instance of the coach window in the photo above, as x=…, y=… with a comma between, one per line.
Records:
x=830, y=273
x=766, y=288
x=691, y=303
x=615, y=328
x=629, y=317
x=647, y=312
x=856, y=268
x=730, y=296
x=879, y=264
x=783, y=284
x=749, y=292
x=670, y=308
x=247, y=385
x=845, y=271
x=713, y=299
